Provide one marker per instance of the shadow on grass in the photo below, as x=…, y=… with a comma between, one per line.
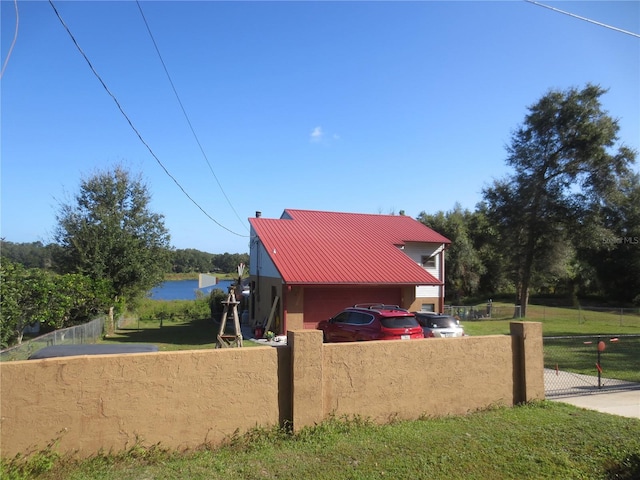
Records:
x=196, y=333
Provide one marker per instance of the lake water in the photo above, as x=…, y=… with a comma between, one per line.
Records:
x=184, y=289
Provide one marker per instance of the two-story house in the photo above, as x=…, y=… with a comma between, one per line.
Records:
x=306, y=266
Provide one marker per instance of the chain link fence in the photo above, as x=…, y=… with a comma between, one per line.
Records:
x=490, y=311
x=86, y=333
x=576, y=365
x=612, y=316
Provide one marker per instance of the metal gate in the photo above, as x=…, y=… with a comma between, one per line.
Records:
x=578, y=365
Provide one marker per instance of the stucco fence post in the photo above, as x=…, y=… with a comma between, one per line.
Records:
x=528, y=361
x=306, y=377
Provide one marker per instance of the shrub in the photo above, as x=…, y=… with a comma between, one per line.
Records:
x=216, y=297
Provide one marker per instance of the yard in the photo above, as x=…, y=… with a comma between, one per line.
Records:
x=175, y=334
x=568, y=354
x=179, y=331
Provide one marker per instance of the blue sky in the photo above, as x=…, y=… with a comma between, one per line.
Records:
x=366, y=107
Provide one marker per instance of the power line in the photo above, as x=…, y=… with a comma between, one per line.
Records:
x=131, y=123
x=584, y=18
x=13, y=42
x=166, y=71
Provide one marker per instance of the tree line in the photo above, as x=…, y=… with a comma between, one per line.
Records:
x=566, y=221
x=188, y=260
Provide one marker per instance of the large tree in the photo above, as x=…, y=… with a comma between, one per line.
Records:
x=565, y=168
x=109, y=232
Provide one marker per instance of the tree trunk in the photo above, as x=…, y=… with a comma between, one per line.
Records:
x=110, y=323
x=529, y=253
x=522, y=302
x=523, y=287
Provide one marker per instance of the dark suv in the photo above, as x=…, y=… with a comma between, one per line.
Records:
x=371, y=321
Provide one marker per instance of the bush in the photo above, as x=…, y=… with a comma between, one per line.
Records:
x=216, y=297
x=160, y=310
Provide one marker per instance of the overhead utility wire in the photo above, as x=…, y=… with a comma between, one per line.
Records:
x=132, y=126
x=185, y=112
x=13, y=42
x=584, y=18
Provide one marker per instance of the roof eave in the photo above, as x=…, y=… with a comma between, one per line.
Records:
x=304, y=283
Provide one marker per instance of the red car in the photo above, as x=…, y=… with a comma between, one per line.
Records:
x=371, y=321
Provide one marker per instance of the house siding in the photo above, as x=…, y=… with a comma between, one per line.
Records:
x=419, y=302
x=416, y=251
x=260, y=263
x=428, y=294
x=266, y=284
x=263, y=292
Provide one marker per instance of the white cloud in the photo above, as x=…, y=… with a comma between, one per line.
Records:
x=317, y=134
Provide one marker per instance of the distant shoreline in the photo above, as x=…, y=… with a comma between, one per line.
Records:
x=168, y=277
x=194, y=276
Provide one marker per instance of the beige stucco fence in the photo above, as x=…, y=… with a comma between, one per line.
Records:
x=184, y=399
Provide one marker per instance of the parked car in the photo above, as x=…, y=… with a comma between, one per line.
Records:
x=439, y=325
x=371, y=321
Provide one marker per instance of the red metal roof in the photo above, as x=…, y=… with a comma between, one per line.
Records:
x=331, y=248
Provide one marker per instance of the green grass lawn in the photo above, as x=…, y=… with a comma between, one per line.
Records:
x=559, y=321
x=537, y=441
x=172, y=335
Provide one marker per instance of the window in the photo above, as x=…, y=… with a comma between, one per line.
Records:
x=429, y=261
x=399, y=322
x=358, y=318
x=343, y=317
x=427, y=307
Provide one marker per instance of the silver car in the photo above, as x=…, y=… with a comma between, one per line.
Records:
x=437, y=325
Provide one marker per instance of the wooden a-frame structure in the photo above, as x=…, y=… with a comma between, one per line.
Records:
x=224, y=339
